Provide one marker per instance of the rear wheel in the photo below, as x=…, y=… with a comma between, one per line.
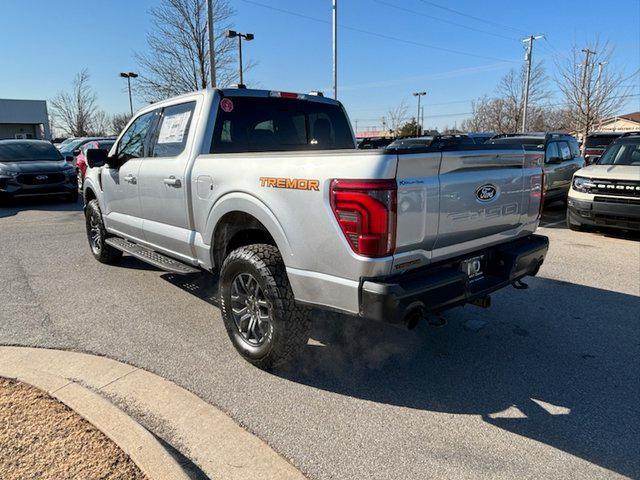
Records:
x=260, y=315
x=97, y=234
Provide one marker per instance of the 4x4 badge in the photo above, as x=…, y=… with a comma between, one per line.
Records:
x=486, y=192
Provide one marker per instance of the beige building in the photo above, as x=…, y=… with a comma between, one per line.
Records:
x=621, y=123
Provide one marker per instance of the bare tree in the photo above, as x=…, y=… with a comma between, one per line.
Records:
x=397, y=117
x=178, y=49
x=503, y=114
x=74, y=111
x=119, y=121
x=511, y=91
x=591, y=91
x=101, y=123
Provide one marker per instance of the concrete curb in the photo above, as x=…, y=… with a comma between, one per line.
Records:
x=142, y=447
x=203, y=433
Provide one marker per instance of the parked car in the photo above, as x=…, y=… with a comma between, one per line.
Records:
x=373, y=143
x=434, y=141
x=267, y=189
x=33, y=168
x=81, y=159
x=596, y=143
x=58, y=141
x=480, y=137
x=71, y=149
x=607, y=193
x=561, y=158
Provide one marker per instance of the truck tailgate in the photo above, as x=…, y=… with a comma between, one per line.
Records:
x=453, y=202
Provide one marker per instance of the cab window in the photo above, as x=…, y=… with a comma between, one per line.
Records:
x=552, y=151
x=133, y=142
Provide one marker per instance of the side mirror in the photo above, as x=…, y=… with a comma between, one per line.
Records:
x=97, y=157
x=69, y=158
x=76, y=152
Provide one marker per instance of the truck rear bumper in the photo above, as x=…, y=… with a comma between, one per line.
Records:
x=435, y=288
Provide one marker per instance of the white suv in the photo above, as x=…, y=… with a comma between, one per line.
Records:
x=607, y=193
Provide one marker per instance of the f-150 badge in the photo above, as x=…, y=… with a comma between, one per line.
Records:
x=290, y=183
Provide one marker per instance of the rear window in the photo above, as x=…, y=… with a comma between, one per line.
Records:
x=28, y=151
x=249, y=124
x=595, y=141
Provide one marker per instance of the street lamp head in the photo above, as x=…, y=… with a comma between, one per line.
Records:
x=230, y=34
x=133, y=75
x=416, y=94
x=124, y=74
x=248, y=36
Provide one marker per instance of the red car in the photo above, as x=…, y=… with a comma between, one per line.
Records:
x=81, y=159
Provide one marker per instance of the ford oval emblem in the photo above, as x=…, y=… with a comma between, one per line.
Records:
x=42, y=177
x=486, y=192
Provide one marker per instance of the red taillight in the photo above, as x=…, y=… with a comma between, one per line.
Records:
x=537, y=191
x=366, y=212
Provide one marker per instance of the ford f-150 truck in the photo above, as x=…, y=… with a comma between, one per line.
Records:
x=267, y=190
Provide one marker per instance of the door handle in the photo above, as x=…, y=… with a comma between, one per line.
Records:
x=130, y=179
x=173, y=182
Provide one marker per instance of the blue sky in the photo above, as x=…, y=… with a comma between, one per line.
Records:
x=454, y=57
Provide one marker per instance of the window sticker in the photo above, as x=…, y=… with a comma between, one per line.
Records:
x=226, y=104
x=174, y=127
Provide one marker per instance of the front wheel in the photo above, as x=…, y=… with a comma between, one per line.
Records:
x=97, y=234
x=260, y=315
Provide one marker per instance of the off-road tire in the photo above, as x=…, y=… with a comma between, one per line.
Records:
x=104, y=254
x=290, y=322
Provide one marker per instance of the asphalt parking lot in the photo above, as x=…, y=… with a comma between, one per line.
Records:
x=544, y=384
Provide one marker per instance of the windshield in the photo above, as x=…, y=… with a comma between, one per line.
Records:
x=66, y=142
x=28, y=152
x=599, y=141
x=72, y=145
x=627, y=153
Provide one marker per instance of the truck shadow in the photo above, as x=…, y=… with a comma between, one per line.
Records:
x=9, y=208
x=563, y=371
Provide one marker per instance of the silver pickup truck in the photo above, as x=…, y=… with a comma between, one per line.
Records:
x=267, y=190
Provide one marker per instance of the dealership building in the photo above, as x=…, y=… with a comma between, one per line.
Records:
x=24, y=119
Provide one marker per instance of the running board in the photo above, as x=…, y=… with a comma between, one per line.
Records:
x=151, y=257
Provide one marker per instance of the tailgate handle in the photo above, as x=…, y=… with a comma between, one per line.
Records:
x=173, y=182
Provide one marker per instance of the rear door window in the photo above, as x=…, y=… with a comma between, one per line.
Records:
x=173, y=128
x=552, y=151
x=250, y=124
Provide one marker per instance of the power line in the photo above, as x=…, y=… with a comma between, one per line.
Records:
x=414, y=12
x=484, y=20
x=379, y=35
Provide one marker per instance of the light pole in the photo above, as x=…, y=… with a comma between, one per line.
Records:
x=418, y=126
x=248, y=37
x=334, y=25
x=530, y=39
x=129, y=76
x=212, y=51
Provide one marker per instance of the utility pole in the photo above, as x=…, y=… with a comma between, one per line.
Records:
x=356, y=122
x=212, y=54
x=598, y=97
x=418, y=125
x=530, y=39
x=334, y=23
x=422, y=118
x=585, y=90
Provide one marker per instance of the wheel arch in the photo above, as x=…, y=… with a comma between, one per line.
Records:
x=240, y=219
